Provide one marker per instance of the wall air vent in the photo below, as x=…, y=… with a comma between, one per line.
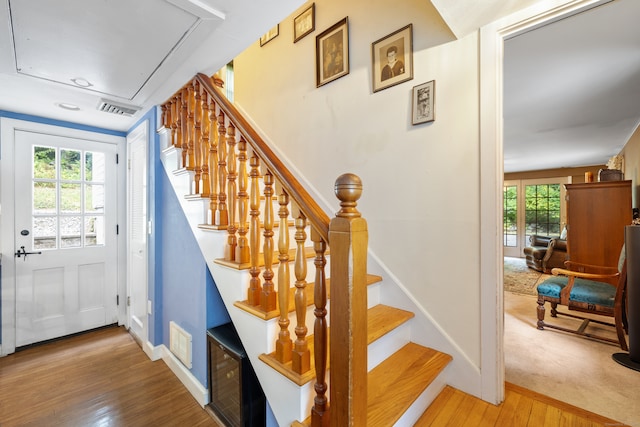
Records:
x=116, y=108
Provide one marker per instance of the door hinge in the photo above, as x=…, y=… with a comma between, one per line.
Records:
x=117, y=229
x=117, y=159
x=117, y=299
x=128, y=301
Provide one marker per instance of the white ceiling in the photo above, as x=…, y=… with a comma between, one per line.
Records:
x=571, y=87
x=133, y=53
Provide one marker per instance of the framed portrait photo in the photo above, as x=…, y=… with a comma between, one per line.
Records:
x=304, y=23
x=423, y=103
x=270, y=35
x=332, y=53
x=392, y=59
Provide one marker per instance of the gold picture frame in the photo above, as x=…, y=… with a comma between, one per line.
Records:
x=332, y=53
x=270, y=35
x=305, y=23
x=392, y=59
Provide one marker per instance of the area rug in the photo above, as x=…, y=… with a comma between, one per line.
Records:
x=519, y=278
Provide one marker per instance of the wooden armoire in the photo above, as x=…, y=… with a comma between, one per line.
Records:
x=597, y=213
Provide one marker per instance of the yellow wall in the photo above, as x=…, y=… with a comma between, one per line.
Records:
x=631, y=153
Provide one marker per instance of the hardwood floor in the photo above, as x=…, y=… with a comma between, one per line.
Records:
x=521, y=408
x=101, y=378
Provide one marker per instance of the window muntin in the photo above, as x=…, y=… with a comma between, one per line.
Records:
x=68, y=198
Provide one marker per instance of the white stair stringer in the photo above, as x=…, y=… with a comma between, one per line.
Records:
x=288, y=401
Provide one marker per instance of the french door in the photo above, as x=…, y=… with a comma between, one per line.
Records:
x=535, y=206
x=65, y=235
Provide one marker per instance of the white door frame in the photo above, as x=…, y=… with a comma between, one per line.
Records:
x=140, y=133
x=492, y=37
x=8, y=127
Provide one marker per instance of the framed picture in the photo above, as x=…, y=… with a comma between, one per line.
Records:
x=332, y=53
x=423, y=103
x=392, y=59
x=272, y=34
x=304, y=23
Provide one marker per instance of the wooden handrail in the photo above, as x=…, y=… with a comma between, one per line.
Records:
x=314, y=213
x=214, y=139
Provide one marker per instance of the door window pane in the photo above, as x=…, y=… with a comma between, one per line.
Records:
x=44, y=162
x=94, y=230
x=44, y=197
x=70, y=231
x=510, y=216
x=70, y=196
x=94, y=166
x=94, y=198
x=70, y=165
x=45, y=232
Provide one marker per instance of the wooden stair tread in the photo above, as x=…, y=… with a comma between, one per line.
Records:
x=382, y=319
x=266, y=315
x=407, y=372
x=375, y=327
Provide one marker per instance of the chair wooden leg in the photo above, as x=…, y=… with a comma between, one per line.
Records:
x=540, y=311
x=554, y=309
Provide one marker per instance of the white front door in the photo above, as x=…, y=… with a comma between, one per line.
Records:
x=137, y=231
x=66, y=260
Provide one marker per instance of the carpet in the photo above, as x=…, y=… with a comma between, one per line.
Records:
x=567, y=367
x=519, y=278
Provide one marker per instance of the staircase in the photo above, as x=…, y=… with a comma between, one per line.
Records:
x=364, y=369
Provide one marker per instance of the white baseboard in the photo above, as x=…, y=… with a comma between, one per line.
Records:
x=154, y=353
x=200, y=393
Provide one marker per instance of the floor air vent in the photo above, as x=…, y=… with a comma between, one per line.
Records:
x=180, y=343
x=116, y=108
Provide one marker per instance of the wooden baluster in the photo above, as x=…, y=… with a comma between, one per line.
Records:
x=206, y=125
x=175, y=123
x=242, y=250
x=300, y=359
x=190, y=130
x=222, y=218
x=320, y=410
x=214, y=137
x=230, y=249
x=283, y=344
x=268, y=296
x=163, y=115
x=197, y=136
x=184, y=115
x=253, y=295
x=348, y=237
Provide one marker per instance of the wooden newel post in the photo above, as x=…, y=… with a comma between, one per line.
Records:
x=348, y=239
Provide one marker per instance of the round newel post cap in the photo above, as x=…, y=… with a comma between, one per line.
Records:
x=348, y=189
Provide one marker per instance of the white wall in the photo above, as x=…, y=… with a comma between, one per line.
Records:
x=421, y=183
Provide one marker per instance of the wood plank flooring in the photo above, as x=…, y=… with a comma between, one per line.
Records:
x=101, y=378
x=521, y=408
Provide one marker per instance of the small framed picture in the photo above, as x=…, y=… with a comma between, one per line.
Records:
x=270, y=35
x=304, y=23
x=332, y=53
x=392, y=59
x=423, y=103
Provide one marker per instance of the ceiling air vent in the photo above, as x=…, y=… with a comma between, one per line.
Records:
x=116, y=108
